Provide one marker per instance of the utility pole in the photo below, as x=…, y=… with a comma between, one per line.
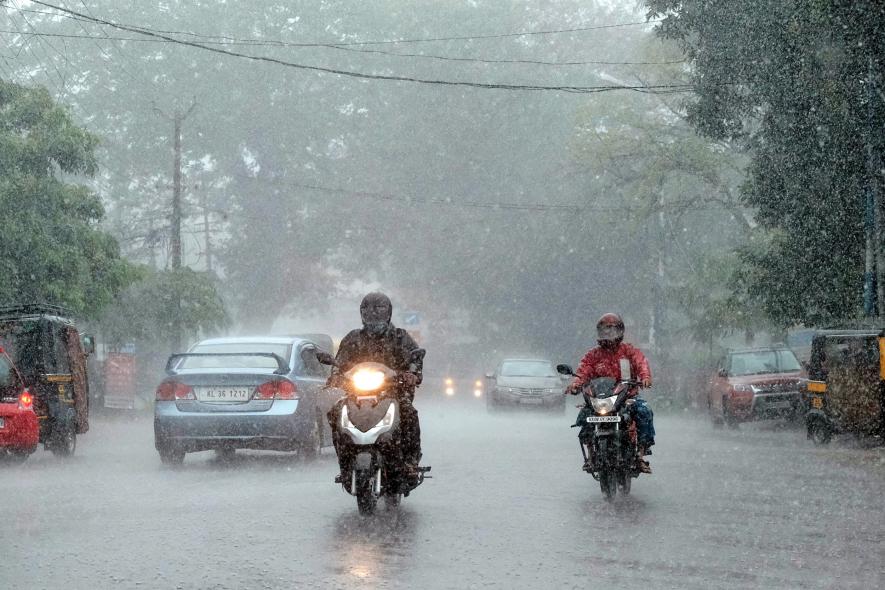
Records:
x=874, y=198
x=175, y=238
x=208, y=240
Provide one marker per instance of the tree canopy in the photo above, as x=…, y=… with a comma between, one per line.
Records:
x=799, y=84
x=53, y=249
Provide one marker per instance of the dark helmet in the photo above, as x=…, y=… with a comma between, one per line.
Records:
x=610, y=329
x=376, y=310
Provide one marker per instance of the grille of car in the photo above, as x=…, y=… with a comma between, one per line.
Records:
x=529, y=391
x=786, y=387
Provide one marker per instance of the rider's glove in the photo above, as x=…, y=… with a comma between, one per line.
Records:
x=573, y=388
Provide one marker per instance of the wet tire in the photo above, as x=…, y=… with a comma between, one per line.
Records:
x=170, y=455
x=819, y=433
x=392, y=501
x=624, y=483
x=608, y=483
x=63, y=443
x=13, y=457
x=730, y=420
x=365, y=496
x=226, y=454
x=714, y=419
x=310, y=447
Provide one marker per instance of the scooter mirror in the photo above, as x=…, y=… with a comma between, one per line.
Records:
x=564, y=370
x=325, y=358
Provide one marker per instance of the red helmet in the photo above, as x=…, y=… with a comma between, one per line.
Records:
x=610, y=329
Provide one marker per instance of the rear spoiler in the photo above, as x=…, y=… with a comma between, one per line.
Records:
x=282, y=366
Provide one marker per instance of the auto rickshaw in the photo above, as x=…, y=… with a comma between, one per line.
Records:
x=845, y=391
x=51, y=355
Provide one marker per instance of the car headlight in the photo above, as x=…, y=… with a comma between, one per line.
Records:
x=604, y=405
x=367, y=379
x=744, y=388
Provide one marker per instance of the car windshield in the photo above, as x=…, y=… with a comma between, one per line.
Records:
x=527, y=369
x=758, y=362
x=246, y=361
x=9, y=385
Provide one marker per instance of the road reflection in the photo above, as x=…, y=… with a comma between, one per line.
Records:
x=373, y=549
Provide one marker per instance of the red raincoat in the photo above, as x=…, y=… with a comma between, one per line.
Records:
x=601, y=362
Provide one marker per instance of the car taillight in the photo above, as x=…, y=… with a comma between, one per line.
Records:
x=172, y=390
x=26, y=401
x=276, y=389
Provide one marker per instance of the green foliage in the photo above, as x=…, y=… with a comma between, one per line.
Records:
x=144, y=313
x=671, y=185
x=52, y=249
x=790, y=80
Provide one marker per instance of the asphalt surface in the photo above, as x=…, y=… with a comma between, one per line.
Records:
x=508, y=507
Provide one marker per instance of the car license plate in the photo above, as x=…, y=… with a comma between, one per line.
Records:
x=603, y=419
x=532, y=400
x=224, y=394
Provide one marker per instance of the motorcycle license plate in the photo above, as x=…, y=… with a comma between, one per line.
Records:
x=598, y=419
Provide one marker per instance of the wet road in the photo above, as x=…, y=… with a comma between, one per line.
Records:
x=508, y=508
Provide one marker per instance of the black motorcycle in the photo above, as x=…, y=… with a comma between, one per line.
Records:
x=608, y=433
x=368, y=434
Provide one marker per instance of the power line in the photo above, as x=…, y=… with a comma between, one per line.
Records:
x=258, y=43
x=436, y=201
x=660, y=88
x=246, y=41
x=510, y=61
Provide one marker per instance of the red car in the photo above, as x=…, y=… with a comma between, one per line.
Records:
x=19, y=430
x=755, y=383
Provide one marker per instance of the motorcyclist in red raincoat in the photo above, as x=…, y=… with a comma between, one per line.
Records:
x=605, y=360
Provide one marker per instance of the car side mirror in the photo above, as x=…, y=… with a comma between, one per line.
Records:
x=88, y=342
x=325, y=358
x=722, y=373
x=490, y=375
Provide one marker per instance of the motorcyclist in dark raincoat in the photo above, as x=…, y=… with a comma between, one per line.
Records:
x=381, y=342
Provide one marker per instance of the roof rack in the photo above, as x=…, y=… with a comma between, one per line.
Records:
x=8, y=311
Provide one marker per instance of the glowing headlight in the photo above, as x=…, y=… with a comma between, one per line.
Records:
x=449, y=381
x=367, y=379
x=478, y=384
x=477, y=393
x=450, y=390
x=603, y=405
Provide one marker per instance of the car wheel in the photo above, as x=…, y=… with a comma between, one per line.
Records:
x=310, y=447
x=730, y=420
x=13, y=457
x=63, y=443
x=171, y=455
x=226, y=454
x=714, y=419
